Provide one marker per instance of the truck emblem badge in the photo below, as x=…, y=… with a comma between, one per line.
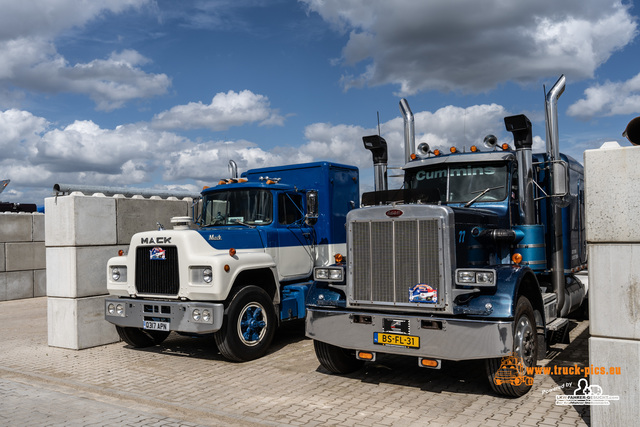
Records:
x=157, y=253
x=394, y=213
x=156, y=241
x=423, y=293
x=214, y=237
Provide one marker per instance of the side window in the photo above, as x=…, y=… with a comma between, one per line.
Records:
x=289, y=208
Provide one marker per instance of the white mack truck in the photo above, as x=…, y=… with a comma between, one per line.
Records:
x=244, y=268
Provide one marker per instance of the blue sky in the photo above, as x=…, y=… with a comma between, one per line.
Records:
x=162, y=94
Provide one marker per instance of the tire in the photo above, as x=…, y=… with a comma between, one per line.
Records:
x=336, y=360
x=248, y=326
x=525, y=348
x=140, y=338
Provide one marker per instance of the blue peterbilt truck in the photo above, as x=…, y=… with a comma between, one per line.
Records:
x=475, y=257
x=244, y=268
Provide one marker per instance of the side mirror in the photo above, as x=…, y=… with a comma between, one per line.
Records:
x=560, y=183
x=312, y=207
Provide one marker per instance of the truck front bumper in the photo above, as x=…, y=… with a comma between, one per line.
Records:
x=437, y=337
x=177, y=316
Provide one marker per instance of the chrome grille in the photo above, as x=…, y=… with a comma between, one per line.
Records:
x=388, y=258
x=158, y=277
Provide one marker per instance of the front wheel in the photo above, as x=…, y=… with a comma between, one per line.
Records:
x=248, y=327
x=140, y=338
x=508, y=376
x=336, y=360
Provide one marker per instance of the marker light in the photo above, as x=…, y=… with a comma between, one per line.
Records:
x=232, y=252
x=474, y=148
x=120, y=252
x=516, y=258
x=365, y=355
x=338, y=258
x=226, y=268
x=505, y=146
x=453, y=150
x=429, y=363
x=413, y=156
x=436, y=152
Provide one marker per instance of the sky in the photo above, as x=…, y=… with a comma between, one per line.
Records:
x=161, y=94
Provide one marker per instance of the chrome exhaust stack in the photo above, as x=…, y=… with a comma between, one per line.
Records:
x=557, y=188
x=409, y=130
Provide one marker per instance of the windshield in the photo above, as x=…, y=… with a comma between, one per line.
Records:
x=248, y=207
x=460, y=183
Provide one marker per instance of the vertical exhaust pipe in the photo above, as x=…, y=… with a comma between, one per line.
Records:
x=233, y=169
x=409, y=130
x=553, y=151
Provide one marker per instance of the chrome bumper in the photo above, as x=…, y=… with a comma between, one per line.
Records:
x=177, y=314
x=440, y=337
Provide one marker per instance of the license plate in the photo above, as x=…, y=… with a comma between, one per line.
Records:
x=396, y=339
x=155, y=326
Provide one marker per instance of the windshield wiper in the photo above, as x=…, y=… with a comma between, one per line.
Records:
x=237, y=221
x=482, y=193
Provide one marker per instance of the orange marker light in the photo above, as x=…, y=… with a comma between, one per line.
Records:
x=120, y=252
x=226, y=268
x=365, y=355
x=436, y=152
x=413, y=156
x=453, y=149
x=429, y=363
x=205, y=187
x=338, y=258
x=505, y=146
x=232, y=252
x=474, y=148
x=516, y=258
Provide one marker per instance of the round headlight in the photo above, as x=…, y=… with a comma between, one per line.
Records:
x=115, y=274
x=111, y=309
x=206, y=315
x=120, y=309
x=195, y=314
x=207, y=275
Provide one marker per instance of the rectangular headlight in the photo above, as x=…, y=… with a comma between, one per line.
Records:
x=328, y=274
x=475, y=277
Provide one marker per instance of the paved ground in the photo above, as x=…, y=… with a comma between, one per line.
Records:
x=185, y=382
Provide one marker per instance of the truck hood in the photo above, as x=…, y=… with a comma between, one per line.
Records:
x=236, y=236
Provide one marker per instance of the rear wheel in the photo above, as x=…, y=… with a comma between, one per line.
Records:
x=139, y=338
x=336, y=360
x=525, y=351
x=248, y=327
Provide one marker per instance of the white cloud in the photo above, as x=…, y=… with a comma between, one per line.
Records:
x=85, y=153
x=473, y=46
x=608, y=99
x=225, y=110
x=30, y=61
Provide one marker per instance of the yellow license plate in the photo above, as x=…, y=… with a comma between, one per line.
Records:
x=396, y=339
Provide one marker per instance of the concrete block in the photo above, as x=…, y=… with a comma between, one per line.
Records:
x=75, y=272
x=135, y=215
x=607, y=353
x=2, y=257
x=15, y=227
x=25, y=256
x=609, y=202
x=77, y=220
x=614, y=291
x=78, y=323
x=38, y=227
x=17, y=284
x=39, y=283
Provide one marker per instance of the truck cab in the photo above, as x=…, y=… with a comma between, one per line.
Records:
x=243, y=267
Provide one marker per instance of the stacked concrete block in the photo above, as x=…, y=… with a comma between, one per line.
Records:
x=82, y=233
x=612, y=204
x=22, y=256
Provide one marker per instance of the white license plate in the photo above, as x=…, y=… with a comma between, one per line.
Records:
x=155, y=326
